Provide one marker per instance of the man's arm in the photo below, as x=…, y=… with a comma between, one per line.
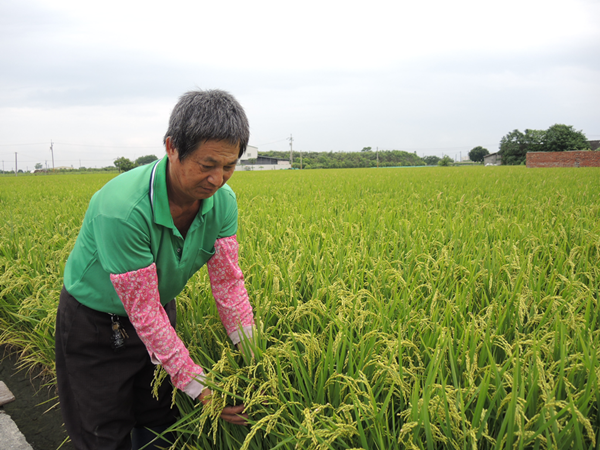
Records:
x=229, y=291
x=138, y=290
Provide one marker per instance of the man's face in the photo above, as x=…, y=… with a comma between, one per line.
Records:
x=203, y=171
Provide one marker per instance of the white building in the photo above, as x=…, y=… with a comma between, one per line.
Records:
x=492, y=159
x=251, y=153
x=251, y=161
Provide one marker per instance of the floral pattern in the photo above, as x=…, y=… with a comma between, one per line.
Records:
x=229, y=291
x=138, y=290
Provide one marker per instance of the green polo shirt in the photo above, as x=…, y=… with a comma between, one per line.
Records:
x=128, y=226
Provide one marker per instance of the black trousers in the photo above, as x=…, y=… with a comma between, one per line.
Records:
x=105, y=393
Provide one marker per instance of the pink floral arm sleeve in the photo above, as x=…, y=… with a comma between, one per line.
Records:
x=229, y=291
x=138, y=290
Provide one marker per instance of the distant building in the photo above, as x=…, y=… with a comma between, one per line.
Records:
x=251, y=160
x=251, y=153
x=492, y=159
x=594, y=145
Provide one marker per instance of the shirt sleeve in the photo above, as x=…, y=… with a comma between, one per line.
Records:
x=138, y=290
x=229, y=291
x=230, y=214
x=122, y=245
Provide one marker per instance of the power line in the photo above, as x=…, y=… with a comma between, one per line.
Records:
x=12, y=145
x=273, y=142
x=82, y=145
x=109, y=146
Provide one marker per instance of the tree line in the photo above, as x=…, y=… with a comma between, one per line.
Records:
x=514, y=146
x=125, y=164
x=343, y=160
x=512, y=150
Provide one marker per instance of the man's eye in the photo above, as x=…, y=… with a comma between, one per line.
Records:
x=206, y=167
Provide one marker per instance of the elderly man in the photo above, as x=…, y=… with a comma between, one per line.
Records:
x=145, y=233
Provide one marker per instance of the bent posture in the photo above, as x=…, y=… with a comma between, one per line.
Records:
x=144, y=235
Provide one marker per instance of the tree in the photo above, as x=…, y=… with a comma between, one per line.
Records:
x=476, y=154
x=513, y=148
x=431, y=160
x=366, y=149
x=562, y=138
x=445, y=161
x=515, y=145
x=38, y=166
x=534, y=140
x=558, y=138
x=145, y=160
x=123, y=164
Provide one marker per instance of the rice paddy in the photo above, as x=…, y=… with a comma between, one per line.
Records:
x=426, y=308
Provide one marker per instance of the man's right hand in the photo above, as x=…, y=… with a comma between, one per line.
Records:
x=231, y=414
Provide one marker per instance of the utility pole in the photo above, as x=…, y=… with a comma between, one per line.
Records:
x=52, y=150
x=15, y=164
x=377, y=148
x=291, y=151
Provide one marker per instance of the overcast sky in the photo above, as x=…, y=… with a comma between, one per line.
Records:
x=99, y=79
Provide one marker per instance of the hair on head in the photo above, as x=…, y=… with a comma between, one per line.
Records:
x=211, y=115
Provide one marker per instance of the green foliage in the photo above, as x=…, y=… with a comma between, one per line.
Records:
x=560, y=138
x=445, y=161
x=38, y=166
x=513, y=148
x=431, y=160
x=124, y=164
x=388, y=316
x=476, y=154
x=342, y=160
x=535, y=140
x=515, y=145
x=145, y=160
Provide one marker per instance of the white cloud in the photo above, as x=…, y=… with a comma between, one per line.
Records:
x=317, y=34
x=338, y=75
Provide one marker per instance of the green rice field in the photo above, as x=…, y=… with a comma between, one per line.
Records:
x=422, y=308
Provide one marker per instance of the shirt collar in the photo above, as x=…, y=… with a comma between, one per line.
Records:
x=160, y=200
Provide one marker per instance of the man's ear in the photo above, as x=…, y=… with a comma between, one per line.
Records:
x=171, y=150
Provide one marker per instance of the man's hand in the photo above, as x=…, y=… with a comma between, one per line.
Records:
x=231, y=414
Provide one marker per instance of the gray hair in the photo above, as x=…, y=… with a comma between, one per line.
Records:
x=201, y=116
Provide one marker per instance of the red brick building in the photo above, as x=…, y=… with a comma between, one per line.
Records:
x=563, y=159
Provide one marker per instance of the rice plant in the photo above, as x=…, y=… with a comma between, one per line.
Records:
x=430, y=308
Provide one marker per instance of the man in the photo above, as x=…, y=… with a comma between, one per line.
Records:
x=145, y=233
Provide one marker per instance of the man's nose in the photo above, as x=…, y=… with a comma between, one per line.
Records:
x=216, y=176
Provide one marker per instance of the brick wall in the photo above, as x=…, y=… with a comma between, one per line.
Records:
x=563, y=159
